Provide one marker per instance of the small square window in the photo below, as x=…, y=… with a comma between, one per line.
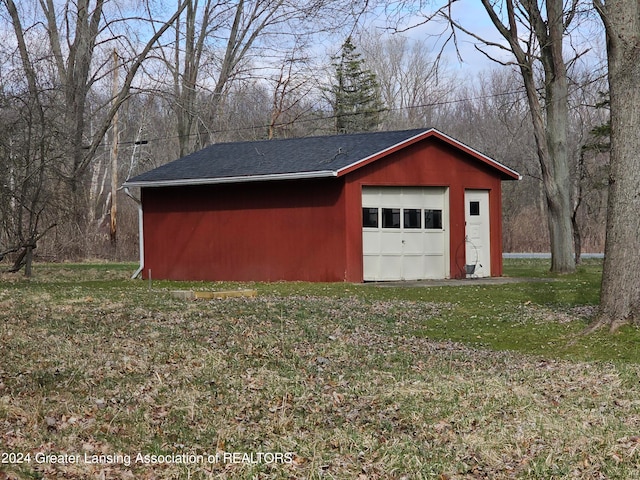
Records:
x=474, y=209
x=433, y=219
x=370, y=217
x=390, y=218
x=412, y=218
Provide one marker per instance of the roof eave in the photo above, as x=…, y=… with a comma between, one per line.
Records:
x=382, y=153
x=508, y=173
x=237, y=179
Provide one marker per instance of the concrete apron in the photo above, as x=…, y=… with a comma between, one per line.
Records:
x=460, y=282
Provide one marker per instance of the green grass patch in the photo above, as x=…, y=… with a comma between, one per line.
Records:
x=315, y=380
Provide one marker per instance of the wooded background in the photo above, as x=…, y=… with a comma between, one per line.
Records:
x=96, y=91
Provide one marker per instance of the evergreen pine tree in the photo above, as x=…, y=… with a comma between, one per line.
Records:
x=357, y=105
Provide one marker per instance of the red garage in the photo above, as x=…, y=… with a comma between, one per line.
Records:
x=402, y=205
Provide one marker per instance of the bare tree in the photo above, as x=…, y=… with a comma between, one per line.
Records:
x=412, y=84
x=491, y=113
x=543, y=43
x=28, y=145
x=620, y=297
x=535, y=33
x=77, y=35
x=192, y=29
x=219, y=42
x=27, y=193
x=590, y=155
x=290, y=87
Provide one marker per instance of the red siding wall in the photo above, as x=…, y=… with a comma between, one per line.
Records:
x=428, y=163
x=293, y=230
x=302, y=229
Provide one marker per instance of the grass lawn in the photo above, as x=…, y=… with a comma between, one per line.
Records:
x=105, y=377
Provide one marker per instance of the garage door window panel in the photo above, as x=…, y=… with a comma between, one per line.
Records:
x=412, y=218
x=390, y=218
x=370, y=217
x=433, y=219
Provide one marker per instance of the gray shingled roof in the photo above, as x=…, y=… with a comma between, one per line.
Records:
x=275, y=159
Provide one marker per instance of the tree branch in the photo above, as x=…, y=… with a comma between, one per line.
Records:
x=125, y=90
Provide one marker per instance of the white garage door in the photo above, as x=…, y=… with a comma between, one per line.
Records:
x=405, y=233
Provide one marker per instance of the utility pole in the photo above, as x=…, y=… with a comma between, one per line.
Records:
x=114, y=158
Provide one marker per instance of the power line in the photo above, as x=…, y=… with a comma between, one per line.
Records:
x=331, y=117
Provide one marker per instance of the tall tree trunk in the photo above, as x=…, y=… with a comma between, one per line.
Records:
x=186, y=68
x=620, y=297
x=550, y=116
x=557, y=178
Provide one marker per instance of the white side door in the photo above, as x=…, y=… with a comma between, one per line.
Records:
x=477, y=239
